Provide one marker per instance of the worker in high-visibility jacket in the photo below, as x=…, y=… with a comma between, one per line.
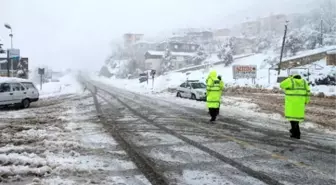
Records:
x=297, y=96
x=213, y=94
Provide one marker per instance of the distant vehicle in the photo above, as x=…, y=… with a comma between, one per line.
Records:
x=143, y=77
x=17, y=92
x=192, y=89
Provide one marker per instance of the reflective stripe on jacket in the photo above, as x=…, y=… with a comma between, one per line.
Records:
x=297, y=95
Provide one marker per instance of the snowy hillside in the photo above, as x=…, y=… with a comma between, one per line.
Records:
x=317, y=71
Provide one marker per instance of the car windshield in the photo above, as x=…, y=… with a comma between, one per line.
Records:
x=198, y=85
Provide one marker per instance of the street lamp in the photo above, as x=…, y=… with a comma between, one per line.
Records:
x=11, y=36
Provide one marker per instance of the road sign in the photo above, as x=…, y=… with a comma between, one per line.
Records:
x=244, y=71
x=153, y=72
x=13, y=53
x=41, y=71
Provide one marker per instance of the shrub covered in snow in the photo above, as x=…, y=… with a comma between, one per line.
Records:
x=105, y=72
x=200, y=57
x=225, y=54
x=167, y=64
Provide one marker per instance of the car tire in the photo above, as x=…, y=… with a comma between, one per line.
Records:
x=25, y=103
x=193, y=96
x=178, y=95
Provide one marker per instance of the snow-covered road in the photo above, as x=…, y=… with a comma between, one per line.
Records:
x=181, y=148
x=126, y=138
x=60, y=140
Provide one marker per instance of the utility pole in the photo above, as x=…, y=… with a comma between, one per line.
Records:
x=282, y=47
x=321, y=41
x=10, y=59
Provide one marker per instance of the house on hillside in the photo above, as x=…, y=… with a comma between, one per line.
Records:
x=131, y=38
x=177, y=60
x=138, y=49
x=202, y=37
x=184, y=31
x=250, y=28
x=144, y=46
x=273, y=23
x=331, y=57
x=180, y=55
x=178, y=38
x=153, y=60
x=222, y=34
x=309, y=57
x=242, y=45
x=176, y=46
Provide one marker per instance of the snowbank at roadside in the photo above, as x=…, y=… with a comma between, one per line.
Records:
x=61, y=142
x=160, y=84
x=66, y=85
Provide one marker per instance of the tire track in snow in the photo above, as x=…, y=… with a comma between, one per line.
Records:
x=256, y=174
x=167, y=105
x=140, y=161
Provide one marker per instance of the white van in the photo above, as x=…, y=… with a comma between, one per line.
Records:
x=16, y=91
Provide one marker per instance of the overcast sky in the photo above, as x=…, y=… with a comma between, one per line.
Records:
x=78, y=33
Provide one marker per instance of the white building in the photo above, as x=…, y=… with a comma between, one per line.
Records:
x=154, y=59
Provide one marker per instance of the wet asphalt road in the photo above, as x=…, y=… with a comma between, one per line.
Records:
x=173, y=144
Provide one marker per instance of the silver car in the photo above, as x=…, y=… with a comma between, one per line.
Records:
x=16, y=91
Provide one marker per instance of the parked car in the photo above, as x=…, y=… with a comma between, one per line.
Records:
x=192, y=89
x=16, y=91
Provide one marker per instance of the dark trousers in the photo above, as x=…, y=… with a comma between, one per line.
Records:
x=295, y=131
x=213, y=113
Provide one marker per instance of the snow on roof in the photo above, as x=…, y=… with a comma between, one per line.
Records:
x=183, y=54
x=167, y=41
x=311, y=52
x=332, y=52
x=12, y=79
x=157, y=53
x=161, y=53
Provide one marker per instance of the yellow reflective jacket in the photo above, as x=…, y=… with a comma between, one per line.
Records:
x=214, y=90
x=297, y=95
